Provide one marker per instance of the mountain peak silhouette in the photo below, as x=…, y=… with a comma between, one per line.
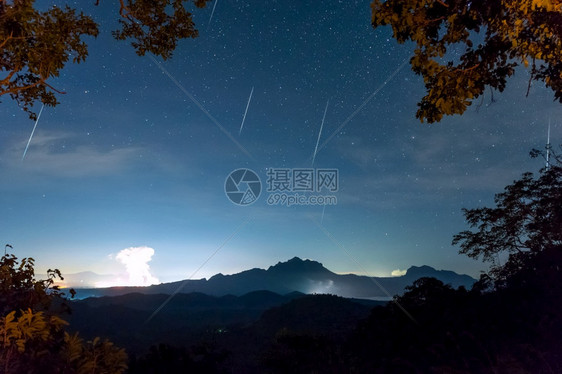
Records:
x=420, y=270
x=294, y=275
x=298, y=265
x=446, y=276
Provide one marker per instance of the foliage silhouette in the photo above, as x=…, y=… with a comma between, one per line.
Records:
x=19, y=290
x=526, y=220
x=37, y=44
x=32, y=335
x=496, y=37
x=510, y=321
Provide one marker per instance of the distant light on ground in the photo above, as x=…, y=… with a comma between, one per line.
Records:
x=398, y=273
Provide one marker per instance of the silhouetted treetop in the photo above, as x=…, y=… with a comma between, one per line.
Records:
x=37, y=44
x=156, y=25
x=19, y=289
x=527, y=219
x=494, y=37
x=32, y=333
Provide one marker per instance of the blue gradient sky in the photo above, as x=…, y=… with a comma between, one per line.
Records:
x=127, y=159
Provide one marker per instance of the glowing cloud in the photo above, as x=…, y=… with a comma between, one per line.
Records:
x=136, y=261
x=398, y=273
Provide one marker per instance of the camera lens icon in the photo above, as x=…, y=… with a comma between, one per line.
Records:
x=242, y=187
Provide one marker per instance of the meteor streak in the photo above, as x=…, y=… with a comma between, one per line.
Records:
x=320, y=133
x=246, y=111
x=196, y=102
x=32, y=132
x=356, y=111
x=212, y=12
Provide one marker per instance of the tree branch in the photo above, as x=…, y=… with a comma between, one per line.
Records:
x=20, y=88
x=41, y=80
x=124, y=11
x=6, y=80
x=54, y=89
x=5, y=41
x=533, y=72
x=468, y=69
x=435, y=20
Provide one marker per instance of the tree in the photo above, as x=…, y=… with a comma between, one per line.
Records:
x=510, y=321
x=494, y=37
x=155, y=26
x=32, y=335
x=35, y=47
x=37, y=44
x=19, y=290
x=526, y=221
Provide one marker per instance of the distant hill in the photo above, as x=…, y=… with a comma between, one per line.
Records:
x=295, y=275
x=325, y=314
x=190, y=318
x=185, y=319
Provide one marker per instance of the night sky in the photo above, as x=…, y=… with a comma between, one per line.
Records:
x=129, y=161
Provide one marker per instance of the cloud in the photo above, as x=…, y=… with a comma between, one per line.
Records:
x=398, y=273
x=136, y=261
x=60, y=155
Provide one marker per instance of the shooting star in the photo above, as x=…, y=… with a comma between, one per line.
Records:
x=246, y=111
x=32, y=132
x=320, y=133
x=356, y=111
x=196, y=102
x=212, y=12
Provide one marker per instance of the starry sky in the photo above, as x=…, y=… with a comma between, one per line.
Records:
x=137, y=153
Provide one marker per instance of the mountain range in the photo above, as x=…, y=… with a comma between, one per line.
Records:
x=294, y=275
x=246, y=314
